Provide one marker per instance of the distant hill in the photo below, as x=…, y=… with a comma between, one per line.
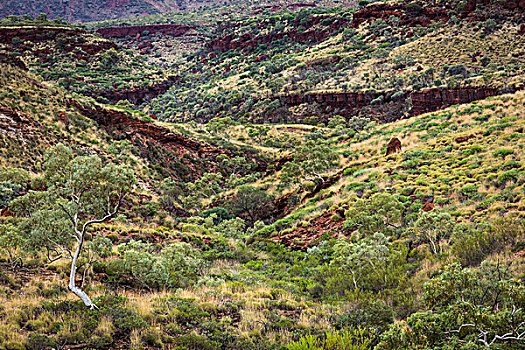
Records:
x=99, y=10
x=84, y=11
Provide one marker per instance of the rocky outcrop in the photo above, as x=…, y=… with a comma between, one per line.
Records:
x=434, y=99
x=250, y=41
x=111, y=119
x=165, y=29
x=140, y=94
x=393, y=146
x=12, y=60
x=75, y=40
x=510, y=7
x=180, y=156
x=521, y=31
x=384, y=107
x=408, y=15
x=15, y=123
x=351, y=102
x=424, y=12
x=35, y=34
x=303, y=237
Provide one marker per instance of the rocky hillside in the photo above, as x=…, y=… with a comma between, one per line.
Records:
x=267, y=175
x=81, y=11
x=84, y=63
x=382, y=61
x=84, y=124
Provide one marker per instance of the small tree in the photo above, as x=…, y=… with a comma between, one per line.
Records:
x=207, y=186
x=381, y=213
x=465, y=309
x=12, y=182
x=252, y=203
x=434, y=226
x=311, y=159
x=80, y=191
x=369, y=256
x=218, y=126
x=11, y=240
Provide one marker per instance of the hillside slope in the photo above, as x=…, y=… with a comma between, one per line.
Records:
x=265, y=175
x=82, y=11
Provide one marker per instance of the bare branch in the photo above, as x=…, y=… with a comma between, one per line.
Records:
x=108, y=216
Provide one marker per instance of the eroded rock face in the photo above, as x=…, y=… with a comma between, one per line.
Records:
x=303, y=237
x=75, y=39
x=165, y=29
x=179, y=156
x=133, y=127
x=389, y=109
x=426, y=12
x=393, y=146
x=410, y=16
x=249, y=41
x=156, y=143
x=34, y=34
x=12, y=60
x=434, y=99
x=14, y=122
x=348, y=102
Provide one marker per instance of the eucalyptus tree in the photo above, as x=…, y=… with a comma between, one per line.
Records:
x=79, y=191
x=310, y=160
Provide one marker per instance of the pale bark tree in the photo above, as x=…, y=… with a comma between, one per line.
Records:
x=80, y=191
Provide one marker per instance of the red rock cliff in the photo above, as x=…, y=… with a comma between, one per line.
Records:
x=408, y=16
x=429, y=100
x=248, y=40
x=161, y=146
x=40, y=34
x=166, y=29
x=434, y=99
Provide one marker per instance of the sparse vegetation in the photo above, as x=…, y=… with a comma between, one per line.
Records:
x=241, y=192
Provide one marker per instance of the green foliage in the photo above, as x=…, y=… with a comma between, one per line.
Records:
x=432, y=227
x=473, y=244
x=80, y=191
x=208, y=185
x=219, y=125
x=12, y=182
x=503, y=152
x=311, y=159
x=362, y=260
x=252, y=203
x=356, y=339
x=381, y=213
x=176, y=265
x=465, y=309
x=234, y=228
x=12, y=239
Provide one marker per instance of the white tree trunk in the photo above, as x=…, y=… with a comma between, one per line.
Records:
x=72, y=287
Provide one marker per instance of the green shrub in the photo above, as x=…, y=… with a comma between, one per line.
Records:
x=503, y=152
x=469, y=191
x=511, y=175
x=126, y=320
x=356, y=339
x=473, y=244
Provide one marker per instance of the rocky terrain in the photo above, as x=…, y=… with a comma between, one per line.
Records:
x=270, y=175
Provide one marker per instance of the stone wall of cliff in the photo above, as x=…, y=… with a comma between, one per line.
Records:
x=350, y=103
x=133, y=31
